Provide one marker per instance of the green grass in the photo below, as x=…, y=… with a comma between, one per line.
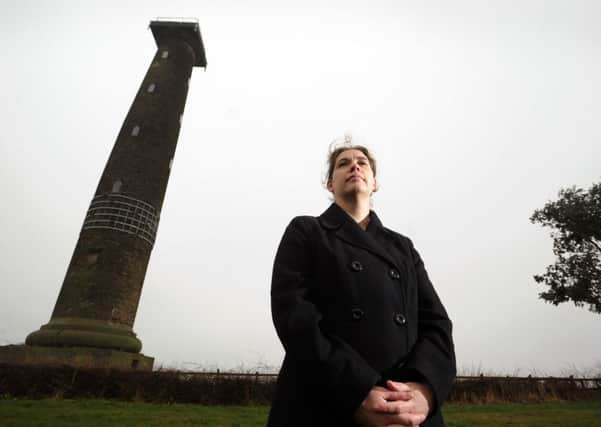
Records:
x=111, y=413
x=100, y=413
x=561, y=414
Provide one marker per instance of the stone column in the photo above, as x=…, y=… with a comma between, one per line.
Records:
x=97, y=304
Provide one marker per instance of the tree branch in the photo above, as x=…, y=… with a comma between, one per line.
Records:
x=592, y=240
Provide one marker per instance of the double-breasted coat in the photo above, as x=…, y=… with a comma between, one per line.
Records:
x=353, y=308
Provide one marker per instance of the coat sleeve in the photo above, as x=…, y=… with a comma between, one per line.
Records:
x=335, y=368
x=432, y=358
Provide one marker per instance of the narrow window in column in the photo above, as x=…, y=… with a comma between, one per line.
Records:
x=91, y=257
x=116, y=186
x=135, y=131
x=165, y=54
x=151, y=87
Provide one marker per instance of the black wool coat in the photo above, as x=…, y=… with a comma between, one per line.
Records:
x=353, y=308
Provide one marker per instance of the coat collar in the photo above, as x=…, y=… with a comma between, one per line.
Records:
x=347, y=229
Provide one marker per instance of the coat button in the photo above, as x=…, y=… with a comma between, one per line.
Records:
x=357, y=313
x=400, y=319
x=394, y=274
x=356, y=266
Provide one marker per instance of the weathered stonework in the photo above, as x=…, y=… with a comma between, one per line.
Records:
x=79, y=357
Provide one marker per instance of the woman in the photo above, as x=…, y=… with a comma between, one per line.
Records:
x=367, y=340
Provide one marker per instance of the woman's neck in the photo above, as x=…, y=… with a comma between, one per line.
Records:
x=358, y=209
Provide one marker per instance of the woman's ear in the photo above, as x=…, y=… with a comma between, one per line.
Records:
x=329, y=186
x=375, y=185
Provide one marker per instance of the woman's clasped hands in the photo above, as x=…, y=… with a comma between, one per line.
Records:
x=396, y=405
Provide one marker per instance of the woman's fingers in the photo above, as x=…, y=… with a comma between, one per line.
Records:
x=398, y=395
x=410, y=419
x=395, y=406
x=387, y=407
x=404, y=420
x=398, y=391
x=397, y=386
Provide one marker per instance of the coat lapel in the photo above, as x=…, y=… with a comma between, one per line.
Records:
x=345, y=227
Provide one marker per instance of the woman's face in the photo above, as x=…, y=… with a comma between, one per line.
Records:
x=352, y=175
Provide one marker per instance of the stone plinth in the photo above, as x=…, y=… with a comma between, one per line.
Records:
x=78, y=357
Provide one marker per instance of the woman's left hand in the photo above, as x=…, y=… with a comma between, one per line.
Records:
x=421, y=397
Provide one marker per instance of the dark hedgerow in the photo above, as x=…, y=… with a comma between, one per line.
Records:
x=214, y=388
x=164, y=386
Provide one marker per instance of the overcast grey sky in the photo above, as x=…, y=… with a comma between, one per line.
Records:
x=478, y=112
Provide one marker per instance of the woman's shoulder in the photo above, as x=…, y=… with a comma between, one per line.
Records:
x=303, y=220
x=304, y=224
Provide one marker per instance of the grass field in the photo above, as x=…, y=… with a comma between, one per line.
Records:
x=53, y=412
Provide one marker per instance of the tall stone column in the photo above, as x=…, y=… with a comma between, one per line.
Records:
x=97, y=304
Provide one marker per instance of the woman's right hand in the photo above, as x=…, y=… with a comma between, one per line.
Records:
x=384, y=408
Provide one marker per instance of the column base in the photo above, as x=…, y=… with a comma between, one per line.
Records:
x=77, y=357
x=79, y=332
